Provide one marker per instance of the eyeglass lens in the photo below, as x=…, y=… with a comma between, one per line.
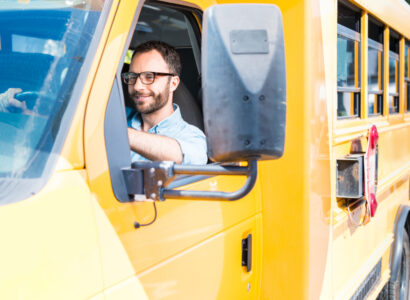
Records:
x=145, y=77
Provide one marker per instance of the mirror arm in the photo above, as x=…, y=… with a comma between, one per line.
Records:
x=158, y=175
x=251, y=172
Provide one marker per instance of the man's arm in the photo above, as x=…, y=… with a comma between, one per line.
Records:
x=155, y=147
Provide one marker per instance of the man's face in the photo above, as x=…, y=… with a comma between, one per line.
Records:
x=149, y=98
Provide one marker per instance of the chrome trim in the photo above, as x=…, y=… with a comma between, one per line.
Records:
x=348, y=33
x=348, y=89
x=375, y=45
x=376, y=92
x=393, y=55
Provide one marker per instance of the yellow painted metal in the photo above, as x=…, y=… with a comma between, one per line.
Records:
x=75, y=233
x=181, y=224
x=217, y=273
x=49, y=243
x=356, y=250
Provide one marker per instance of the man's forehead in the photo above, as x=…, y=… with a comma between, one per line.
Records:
x=149, y=61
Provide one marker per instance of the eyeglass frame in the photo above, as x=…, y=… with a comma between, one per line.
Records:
x=138, y=75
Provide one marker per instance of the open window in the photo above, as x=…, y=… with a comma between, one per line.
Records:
x=228, y=52
x=178, y=26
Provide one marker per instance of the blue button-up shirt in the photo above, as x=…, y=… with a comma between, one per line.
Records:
x=190, y=138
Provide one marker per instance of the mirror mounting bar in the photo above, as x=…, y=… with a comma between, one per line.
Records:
x=158, y=175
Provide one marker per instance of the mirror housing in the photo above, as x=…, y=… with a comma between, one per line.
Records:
x=244, y=82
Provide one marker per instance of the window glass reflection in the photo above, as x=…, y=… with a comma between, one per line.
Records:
x=394, y=101
x=345, y=62
x=375, y=70
x=393, y=72
x=347, y=104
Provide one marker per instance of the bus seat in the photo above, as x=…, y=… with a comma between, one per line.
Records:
x=190, y=110
x=189, y=74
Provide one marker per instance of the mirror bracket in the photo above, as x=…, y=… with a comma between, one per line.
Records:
x=156, y=177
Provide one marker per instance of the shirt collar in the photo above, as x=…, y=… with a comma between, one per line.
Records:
x=170, y=121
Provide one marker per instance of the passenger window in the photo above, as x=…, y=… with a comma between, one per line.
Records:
x=179, y=27
x=375, y=68
x=175, y=26
x=348, y=62
x=394, y=82
x=407, y=74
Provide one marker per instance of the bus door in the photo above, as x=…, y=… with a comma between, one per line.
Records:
x=178, y=249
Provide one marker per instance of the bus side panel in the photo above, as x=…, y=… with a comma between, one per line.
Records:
x=210, y=270
x=49, y=243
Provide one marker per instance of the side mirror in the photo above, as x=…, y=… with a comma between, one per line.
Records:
x=244, y=82
x=244, y=102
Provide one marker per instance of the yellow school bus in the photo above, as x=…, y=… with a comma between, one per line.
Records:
x=306, y=195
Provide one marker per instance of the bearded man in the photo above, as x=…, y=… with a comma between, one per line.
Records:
x=156, y=130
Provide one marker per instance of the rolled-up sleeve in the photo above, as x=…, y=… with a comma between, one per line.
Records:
x=193, y=145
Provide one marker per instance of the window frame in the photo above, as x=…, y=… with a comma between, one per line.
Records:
x=355, y=93
x=393, y=98
x=396, y=95
x=379, y=101
x=115, y=123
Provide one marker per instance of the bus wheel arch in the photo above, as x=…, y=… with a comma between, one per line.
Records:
x=398, y=286
x=400, y=289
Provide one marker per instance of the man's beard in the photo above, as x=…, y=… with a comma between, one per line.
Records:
x=160, y=100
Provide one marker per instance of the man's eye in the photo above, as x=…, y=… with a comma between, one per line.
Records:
x=132, y=76
x=149, y=76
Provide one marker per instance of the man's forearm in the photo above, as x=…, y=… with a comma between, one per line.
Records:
x=154, y=147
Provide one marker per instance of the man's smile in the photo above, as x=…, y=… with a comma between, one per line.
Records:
x=142, y=97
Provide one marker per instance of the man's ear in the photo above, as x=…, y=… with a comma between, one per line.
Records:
x=174, y=83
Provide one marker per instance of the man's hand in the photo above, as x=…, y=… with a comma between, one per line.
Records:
x=8, y=101
x=154, y=146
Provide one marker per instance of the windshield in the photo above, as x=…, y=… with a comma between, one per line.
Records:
x=43, y=47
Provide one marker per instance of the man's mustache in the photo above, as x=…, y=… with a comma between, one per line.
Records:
x=137, y=94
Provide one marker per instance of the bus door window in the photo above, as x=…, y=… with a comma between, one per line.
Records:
x=394, y=82
x=375, y=68
x=348, y=62
x=177, y=27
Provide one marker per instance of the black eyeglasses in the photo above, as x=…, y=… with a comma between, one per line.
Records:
x=145, y=77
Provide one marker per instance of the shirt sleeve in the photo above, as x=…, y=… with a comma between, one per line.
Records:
x=193, y=146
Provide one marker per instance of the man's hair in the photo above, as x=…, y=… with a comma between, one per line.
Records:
x=168, y=53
